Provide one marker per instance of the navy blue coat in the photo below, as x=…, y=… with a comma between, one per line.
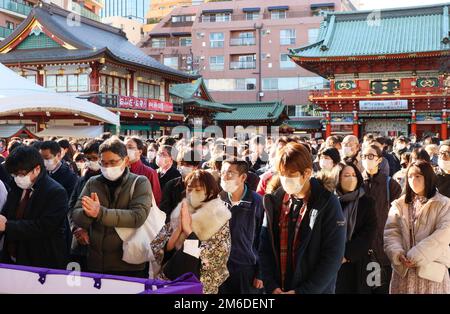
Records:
x=321, y=250
x=39, y=236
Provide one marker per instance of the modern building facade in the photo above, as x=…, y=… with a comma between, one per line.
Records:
x=388, y=75
x=241, y=48
x=13, y=12
x=132, y=9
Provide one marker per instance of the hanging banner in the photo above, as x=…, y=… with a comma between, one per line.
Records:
x=383, y=104
x=135, y=103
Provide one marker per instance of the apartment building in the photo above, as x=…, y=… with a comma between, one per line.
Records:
x=240, y=47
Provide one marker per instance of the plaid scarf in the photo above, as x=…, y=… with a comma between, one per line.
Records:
x=286, y=206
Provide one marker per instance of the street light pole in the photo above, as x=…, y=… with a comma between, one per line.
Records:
x=259, y=27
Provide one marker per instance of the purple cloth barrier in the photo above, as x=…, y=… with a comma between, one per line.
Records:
x=186, y=284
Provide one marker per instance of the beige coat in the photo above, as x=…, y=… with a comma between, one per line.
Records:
x=432, y=234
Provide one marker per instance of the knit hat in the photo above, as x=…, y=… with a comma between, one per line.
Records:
x=333, y=153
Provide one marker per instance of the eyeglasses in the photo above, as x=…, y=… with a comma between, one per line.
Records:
x=228, y=174
x=368, y=156
x=445, y=154
x=111, y=163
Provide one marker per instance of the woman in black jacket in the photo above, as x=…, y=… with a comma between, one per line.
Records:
x=361, y=222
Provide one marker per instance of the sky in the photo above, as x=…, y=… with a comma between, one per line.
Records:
x=386, y=4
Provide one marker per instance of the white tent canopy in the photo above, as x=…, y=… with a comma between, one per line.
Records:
x=17, y=94
x=72, y=131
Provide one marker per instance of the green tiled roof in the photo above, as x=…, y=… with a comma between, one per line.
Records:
x=305, y=124
x=209, y=104
x=392, y=31
x=186, y=91
x=252, y=111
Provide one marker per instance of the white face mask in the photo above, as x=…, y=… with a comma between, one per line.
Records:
x=349, y=184
x=112, y=173
x=93, y=165
x=326, y=164
x=444, y=164
x=185, y=171
x=24, y=182
x=229, y=186
x=196, y=198
x=401, y=146
x=291, y=185
x=151, y=155
x=347, y=151
x=370, y=165
x=132, y=154
x=50, y=164
x=80, y=165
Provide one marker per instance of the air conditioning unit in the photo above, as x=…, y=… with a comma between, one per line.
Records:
x=251, y=86
x=202, y=57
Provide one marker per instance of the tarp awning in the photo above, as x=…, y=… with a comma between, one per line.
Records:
x=17, y=94
x=9, y=130
x=72, y=131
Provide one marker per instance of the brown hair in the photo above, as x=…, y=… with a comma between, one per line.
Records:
x=294, y=157
x=429, y=177
x=205, y=180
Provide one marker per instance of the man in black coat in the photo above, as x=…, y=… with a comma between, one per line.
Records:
x=61, y=172
x=167, y=166
x=57, y=169
x=443, y=173
x=174, y=190
x=32, y=220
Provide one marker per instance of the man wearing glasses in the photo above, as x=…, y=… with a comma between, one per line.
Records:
x=443, y=174
x=116, y=198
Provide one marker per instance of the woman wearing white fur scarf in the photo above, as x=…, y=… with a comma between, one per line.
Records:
x=417, y=235
x=197, y=238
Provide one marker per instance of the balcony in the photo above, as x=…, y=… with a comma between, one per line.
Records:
x=247, y=41
x=265, y=16
x=84, y=12
x=242, y=65
x=18, y=9
x=5, y=32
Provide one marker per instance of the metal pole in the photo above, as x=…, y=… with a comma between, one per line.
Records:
x=259, y=28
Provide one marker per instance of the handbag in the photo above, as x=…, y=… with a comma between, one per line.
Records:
x=136, y=241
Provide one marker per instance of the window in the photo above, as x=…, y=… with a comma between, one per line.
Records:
x=219, y=17
x=294, y=83
x=287, y=37
x=270, y=84
x=149, y=91
x=186, y=41
x=231, y=84
x=158, y=42
x=9, y=25
x=72, y=83
x=171, y=62
x=245, y=84
x=216, y=63
x=313, y=34
x=113, y=85
x=277, y=14
x=216, y=40
x=50, y=82
x=296, y=111
x=183, y=18
x=251, y=16
x=286, y=62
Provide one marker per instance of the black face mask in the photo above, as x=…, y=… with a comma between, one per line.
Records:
x=404, y=166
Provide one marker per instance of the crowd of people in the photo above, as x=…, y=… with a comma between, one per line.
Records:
x=284, y=215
